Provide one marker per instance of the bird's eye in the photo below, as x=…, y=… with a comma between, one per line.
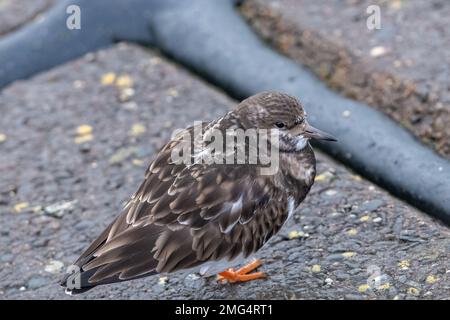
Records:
x=280, y=125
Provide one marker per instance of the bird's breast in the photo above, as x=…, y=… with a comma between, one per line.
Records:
x=299, y=171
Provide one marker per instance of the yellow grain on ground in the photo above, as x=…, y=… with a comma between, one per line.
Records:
x=137, y=129
x=348, y=254
x=3, y=137
x=294, y=234
x=162, y=280
x=108, y=78
x=137, y=162
x=413, y=291
x=84, y=129
x=20, y=206
x=396, y=4
x=352, y=232
x=126, y=94
x=83, y=138
x=431, y=279
x=124, y=81
x=384, y=286
x=363, y=288
x=172, y=92
x=364, y=218
x=404, y=265
x=316, y=268
x=320, y=177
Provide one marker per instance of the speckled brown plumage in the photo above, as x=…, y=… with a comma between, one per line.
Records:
x=185, y=215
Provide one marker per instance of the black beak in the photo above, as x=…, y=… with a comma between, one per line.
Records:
x=314, y=133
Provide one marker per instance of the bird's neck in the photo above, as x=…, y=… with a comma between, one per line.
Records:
x=299, y=171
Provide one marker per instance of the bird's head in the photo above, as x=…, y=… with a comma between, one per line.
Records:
x=283, y=113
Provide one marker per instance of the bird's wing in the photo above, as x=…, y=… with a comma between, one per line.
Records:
x=183, y=215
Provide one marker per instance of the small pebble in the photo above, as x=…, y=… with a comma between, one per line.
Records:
x=172, y=92
x=21, y=206
x=371, y=205
x=193, y=276
x=364, y=218
x=363, y=288
x=163, y=281
x=431, y=279
x=323, y=176
x=378, y=51
x=130, y=105
x=396, y=4
x=384, y=286
x=58, y=209
x=126, y=94
x=294, y=234
x=8, y=257
x=84, y=129
x=316, y=268
x=137, y=162
x=36, y=282
x=413, y=291
x=155, y=61
x=404, y=265
x=78, y=84
x=137, y=129
x=83, y=138
x=108, y=78
x=122, y=154
x=349, y=254
x=54, y=266
x=346, y=113
x=124, y=81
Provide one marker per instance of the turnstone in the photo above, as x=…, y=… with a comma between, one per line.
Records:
x=202, y=216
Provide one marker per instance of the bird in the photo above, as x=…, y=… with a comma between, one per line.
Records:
x=207, y=216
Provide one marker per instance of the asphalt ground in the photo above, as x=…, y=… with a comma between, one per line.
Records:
x=75, y=144
x=16, y=13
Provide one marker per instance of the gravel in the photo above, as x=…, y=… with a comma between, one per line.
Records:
x=15, y=13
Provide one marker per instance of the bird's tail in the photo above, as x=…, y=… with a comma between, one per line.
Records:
x=76, y=280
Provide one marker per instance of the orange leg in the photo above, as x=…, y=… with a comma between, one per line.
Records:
x=241, y=274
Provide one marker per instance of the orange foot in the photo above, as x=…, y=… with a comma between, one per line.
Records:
x=242, y=275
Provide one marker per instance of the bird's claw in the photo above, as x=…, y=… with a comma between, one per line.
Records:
x=242, y=274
